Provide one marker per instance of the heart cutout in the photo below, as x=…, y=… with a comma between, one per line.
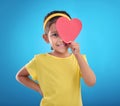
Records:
x=67, y=29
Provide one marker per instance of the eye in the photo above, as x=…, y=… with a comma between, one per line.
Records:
x=55, y=35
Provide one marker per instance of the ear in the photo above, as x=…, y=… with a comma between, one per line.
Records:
x=45, y=37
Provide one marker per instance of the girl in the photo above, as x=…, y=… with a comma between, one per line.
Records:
x=58, y=72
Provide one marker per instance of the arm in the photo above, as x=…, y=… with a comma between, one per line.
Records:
x=87, y=74
x=22, y=77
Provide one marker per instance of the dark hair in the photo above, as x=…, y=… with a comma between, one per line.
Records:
x=53, y=20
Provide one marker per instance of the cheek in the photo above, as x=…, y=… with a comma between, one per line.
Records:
x=51, y=40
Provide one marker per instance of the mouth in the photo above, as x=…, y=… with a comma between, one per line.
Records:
x=61, y=45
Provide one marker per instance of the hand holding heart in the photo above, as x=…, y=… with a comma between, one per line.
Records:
x=67, y=29
x=74, y=47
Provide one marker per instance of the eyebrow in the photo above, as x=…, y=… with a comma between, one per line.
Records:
x=54, y=32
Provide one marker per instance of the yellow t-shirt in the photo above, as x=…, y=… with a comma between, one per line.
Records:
x=59, y=79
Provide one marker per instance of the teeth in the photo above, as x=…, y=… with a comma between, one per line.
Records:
x=60, y=45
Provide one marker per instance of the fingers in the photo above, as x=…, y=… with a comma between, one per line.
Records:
x=74, y=47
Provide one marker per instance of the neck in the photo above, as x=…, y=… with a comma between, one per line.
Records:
x=62, y=55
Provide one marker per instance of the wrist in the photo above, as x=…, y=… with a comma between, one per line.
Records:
x=76, y=52
x=37, y=88
x=78, y=55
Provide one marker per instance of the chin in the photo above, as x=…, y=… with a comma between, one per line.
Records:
x=62, y=51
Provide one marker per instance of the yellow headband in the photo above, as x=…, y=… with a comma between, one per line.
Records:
x=54, y=15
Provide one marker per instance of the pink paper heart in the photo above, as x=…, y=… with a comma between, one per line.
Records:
x=67, y=29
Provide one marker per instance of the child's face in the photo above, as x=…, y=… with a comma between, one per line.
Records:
x=56, y=42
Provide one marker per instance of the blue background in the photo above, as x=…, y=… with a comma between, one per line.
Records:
x=21, y=37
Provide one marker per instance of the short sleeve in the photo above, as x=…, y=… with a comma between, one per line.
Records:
x=31, y=68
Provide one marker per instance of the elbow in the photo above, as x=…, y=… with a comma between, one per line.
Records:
x=20, y=78
x=17, y=77
x=91, y=83
x=21, y=75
